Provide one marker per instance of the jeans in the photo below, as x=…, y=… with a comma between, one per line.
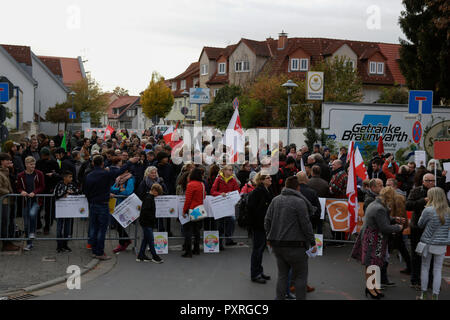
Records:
x=259, y=244
x=7, y=222
x=30, y=213
x=226, y=229
x=416, y=259
x=296, y=259
x=399, y=243
x=98, y=222
x=122, y=234
x=147, y=241
x=192, y=228
x=437, y=272
x=63, y=230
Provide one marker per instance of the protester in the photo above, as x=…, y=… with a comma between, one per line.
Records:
x=435, y=220
x=147, y=220
x=150, y=177
x=338, y=183
x=63, y=189
x=195, y=195
x=371, y=245
x=250, y=185
x=317, y=183
x=258, y=202
x=289, y=232
x=7, y=215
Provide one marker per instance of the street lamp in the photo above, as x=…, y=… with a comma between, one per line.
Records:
x=72, y=94
x=289, y=85
x=185, y=95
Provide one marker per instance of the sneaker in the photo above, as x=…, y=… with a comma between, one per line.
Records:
x=423, y=296
x=104, y=257
x=89, y=246
x=67, y=249
x=32, y=236
x=118, y=249
x=143, y=259
x=434, y=297
x=259, y=280
x=290, y=296
x=157, y=259
x=59, y=250
x=28, y=247
x=265, y=277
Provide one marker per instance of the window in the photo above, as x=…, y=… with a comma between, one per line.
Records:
x=303, y=64
x=294, y=64
x=183, y=84
x=373, y=68
x=242, y=66
x=222, y=67
x=215, y=92
x=380, y=67
x=174, y=86
x=204, y=69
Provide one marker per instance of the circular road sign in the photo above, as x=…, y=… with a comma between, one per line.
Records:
x=417, y=132
x=184, y=111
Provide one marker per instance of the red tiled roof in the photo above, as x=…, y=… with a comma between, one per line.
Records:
x=122, y=102
x=53, y=64
x=213, y=53
x=71, y=69
x=218, y=79
x=260, y=48
x=188, y=75
x=391, y=52
x=22, y=54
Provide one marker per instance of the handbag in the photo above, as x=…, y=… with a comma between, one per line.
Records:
x=199, y=212
x=420, y=247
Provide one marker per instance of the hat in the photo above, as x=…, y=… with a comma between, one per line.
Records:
x=45, y=151
x=252, y=175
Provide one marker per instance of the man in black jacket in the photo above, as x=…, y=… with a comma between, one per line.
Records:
x=66, y=163
x=416, y=202
x=312, y=197
x=318, y=184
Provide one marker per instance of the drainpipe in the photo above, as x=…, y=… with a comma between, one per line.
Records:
x=17, y=107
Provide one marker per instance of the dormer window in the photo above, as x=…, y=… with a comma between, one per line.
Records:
x=304, y=64
x=183, y=84
x=174, y=86
x=380, y=67
x=222, y=68
x=295, y=64
x=204, y=69
x=373, y=67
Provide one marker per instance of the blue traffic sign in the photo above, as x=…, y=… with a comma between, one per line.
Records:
x=72, y=115
x=421, y=101
x=4, y=92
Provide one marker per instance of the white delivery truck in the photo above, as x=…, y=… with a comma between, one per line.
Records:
x=363, y=123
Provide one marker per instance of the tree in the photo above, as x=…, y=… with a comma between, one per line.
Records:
x=425, y=55
x=219, y=112
x=157, y=100
x=88, y=98
x=397, y=95
x=120, y=92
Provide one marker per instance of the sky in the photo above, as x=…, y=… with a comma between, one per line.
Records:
x=123, y=42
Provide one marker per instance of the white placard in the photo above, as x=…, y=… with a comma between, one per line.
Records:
x=207, y=205
x=323, y=204
x=72, y=207
x=224, y=206
x=128, y=210
x=319, y=244
x=161, y=242
x=166, y=206
x=211, y=241
x=420, y=158
x=447, y=168
x=183, y=220
x=314, y=86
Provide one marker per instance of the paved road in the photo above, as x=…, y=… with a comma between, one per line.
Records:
x=225, y=276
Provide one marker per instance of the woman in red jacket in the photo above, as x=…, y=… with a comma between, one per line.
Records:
x=224, y=184
x=195, y=194
x=29, y=184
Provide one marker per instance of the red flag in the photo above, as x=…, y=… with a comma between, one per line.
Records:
x=108, y=132
x=234, y=136
x=380, y=147
x=360, y=167
x=171, y=137
x=352, y=194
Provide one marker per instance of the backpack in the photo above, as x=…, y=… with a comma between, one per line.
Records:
x=242, y=213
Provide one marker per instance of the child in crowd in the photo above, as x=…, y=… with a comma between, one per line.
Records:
x=64, y=225
x=147, y=220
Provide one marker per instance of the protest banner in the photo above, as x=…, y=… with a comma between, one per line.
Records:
x=223, y=206
x=338, y=213
x=72, y=207
x=211, y=241
x=128, y=210
x=183, y=220
x=166, y=207
x=161, y=242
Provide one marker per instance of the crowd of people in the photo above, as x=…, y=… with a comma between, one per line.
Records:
x=283, y=206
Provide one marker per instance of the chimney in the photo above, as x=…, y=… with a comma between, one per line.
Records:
x=282, y=40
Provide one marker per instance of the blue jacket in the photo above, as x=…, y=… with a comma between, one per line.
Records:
x=97, y=185
x=115, y=189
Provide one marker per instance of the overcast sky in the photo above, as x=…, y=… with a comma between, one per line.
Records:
x=124, y=41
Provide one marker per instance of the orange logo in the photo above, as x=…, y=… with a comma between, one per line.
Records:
x=338, y=213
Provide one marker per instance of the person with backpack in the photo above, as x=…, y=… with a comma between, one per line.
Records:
x=258, y=202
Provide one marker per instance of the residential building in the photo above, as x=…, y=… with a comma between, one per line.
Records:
x=70, y=70
x=126, y=113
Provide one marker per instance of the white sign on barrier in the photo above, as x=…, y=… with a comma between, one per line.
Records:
x=223, y=206
x=72, y=207
x=166, y=206
x=128, y=210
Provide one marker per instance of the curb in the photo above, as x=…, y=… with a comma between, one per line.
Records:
x=91, y=265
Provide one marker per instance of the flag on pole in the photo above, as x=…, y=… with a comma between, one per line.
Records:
x=108, y=132
x=234, y=136
x=170, y=136
x=360, y=167
x=380, y=148
x=64, y=142
x=352, y=193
